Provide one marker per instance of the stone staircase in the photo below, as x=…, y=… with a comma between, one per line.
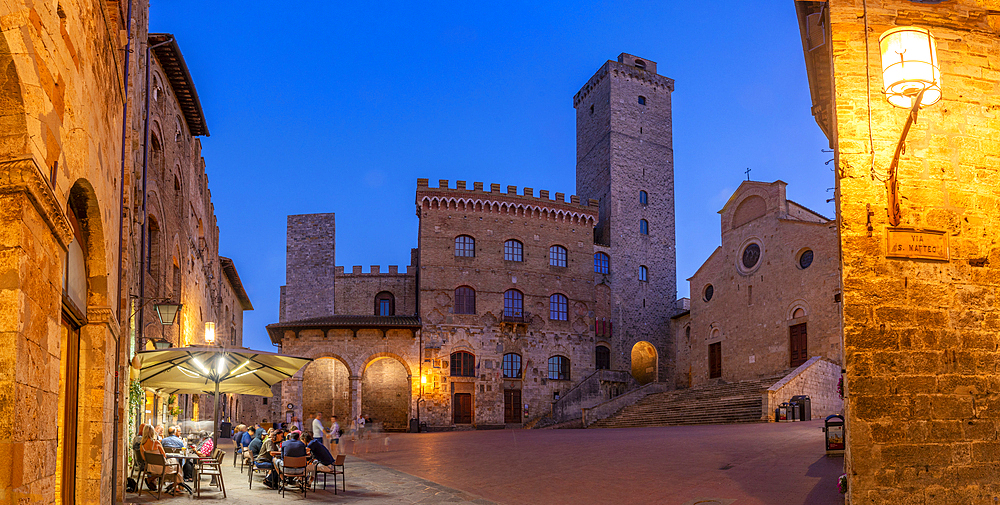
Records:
x=723, y=403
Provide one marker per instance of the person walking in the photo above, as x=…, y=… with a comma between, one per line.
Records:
x=335, y=436
x=318, y=430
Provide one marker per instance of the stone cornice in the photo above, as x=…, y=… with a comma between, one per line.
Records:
x=23, y=174
x=624, y=70
x=105, y=315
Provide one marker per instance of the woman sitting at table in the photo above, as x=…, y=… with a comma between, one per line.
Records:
x=205, y=448
x=150, y=444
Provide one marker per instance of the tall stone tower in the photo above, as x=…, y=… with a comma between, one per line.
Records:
x=309, y=267
x=625, y=159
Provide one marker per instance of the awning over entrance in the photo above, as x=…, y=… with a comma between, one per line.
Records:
x=343, y=322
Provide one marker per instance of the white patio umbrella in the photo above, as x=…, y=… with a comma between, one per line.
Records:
x=192, y=370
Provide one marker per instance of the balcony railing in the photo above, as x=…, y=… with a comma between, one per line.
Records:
x=515, y=316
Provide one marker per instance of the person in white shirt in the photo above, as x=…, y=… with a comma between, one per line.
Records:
x=317, y=428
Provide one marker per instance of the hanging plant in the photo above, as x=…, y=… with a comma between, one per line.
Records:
x=840, y=387
x=842, y=484
x=172, y=408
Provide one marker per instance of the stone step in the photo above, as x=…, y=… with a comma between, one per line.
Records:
x=726, y=403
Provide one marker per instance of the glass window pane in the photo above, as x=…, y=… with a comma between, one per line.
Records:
x=557, y=256
x=513, y=251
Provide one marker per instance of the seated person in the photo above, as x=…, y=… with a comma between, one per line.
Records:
x=205, y=448
x=292, y=447
x=268, y=453
x=256, y=441
x=149, y=443
x=172, y=440
x=320, y=454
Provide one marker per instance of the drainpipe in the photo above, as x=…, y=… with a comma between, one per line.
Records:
x=121, y=247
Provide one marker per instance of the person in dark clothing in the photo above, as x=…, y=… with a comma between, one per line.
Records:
x=269, y=452
x=256, y=442
x=320, y=454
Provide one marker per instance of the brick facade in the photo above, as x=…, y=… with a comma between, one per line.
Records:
x=919, y=335
x=629, y=149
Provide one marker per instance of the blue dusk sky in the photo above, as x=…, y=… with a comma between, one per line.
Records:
x=341, y=106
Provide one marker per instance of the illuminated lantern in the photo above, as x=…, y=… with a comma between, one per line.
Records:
x=210, y=332
x=909, y=66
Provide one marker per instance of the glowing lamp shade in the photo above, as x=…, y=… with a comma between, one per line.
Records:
x=423, y=379
x=909, y=65
x=210, y=332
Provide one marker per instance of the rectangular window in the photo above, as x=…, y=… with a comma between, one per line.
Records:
x=557, y=256
x=385, y=307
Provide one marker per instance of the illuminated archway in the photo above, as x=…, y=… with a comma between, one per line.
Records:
x=385, y=393
x=326, y=388
x=644, y=362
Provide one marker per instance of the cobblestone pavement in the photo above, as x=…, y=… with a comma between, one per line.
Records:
x=367, y=483
x=743, y=464
x=749, y=464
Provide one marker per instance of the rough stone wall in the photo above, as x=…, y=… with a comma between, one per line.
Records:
x=624, y=147
x=817, y=379
x=492, y=218
x=920, y=336
x=385, y=394
x=326, y=388
x=61, y=112
x=355, y=291
x=751, y=310
x=353, y=356
x=309, y=267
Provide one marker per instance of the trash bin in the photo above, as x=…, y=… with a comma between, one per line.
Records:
x=225, y=430
x=414, y=427
x=804, y=407
x=833, y=426
x=781, y=413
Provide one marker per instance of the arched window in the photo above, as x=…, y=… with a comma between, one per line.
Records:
x=643, y=273
x=511, y=366
x=559, y=368
x=513, y=250
x=465, y=300
x=557, y=256
x=385, y=304
x=643, y=227
x=465, y=246
x=602, y=357
x=602, y=263
x=558, y=307
x=463, y=364
x=643, y=198
x=513, y=303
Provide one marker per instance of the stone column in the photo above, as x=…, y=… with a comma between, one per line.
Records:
x=355, y=396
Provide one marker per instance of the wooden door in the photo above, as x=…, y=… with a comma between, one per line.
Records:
x=798, y=344
x=715, y=360
x=463, y=408
x=512, y=406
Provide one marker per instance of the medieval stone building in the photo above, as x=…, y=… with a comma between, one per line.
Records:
x=919, y=291
x=511, y=299
x=767, y=300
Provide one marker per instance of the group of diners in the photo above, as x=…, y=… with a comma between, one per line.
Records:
x=268, y=448
x=150, y=439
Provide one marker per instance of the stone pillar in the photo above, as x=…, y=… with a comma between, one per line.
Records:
x=355, y=396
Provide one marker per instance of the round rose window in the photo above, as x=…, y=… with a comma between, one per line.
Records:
x=751, y=255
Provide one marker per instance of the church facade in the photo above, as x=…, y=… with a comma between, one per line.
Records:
x=512, y=298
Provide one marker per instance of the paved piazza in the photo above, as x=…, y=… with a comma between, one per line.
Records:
x=776, y=463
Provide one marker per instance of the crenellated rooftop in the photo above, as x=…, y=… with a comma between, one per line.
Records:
x=494, y=200
x=625, y=66
x=373, y=270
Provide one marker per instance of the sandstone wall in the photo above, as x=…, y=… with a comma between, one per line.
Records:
x=309, y=275
x=817, y=379
x=920, y=336
x=356, y=291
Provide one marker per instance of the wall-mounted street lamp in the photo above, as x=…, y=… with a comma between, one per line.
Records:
x=167, y=312
x=911, y=79
x=161, y=343
x=210, y=332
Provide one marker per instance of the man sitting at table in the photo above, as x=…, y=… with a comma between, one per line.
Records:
x=173, y=441
x=268, y=451
x=320, y=454
x=291, y=448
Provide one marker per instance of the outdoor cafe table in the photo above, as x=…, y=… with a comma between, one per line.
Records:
x=185, y=454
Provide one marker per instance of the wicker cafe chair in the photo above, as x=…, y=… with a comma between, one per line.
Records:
x=294, y=467
x=211, y=467
x=155, y=458
x=338, y=463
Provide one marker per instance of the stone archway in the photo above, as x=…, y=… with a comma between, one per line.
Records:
x=326, y=388
x=385, y=393
x=644, y=362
